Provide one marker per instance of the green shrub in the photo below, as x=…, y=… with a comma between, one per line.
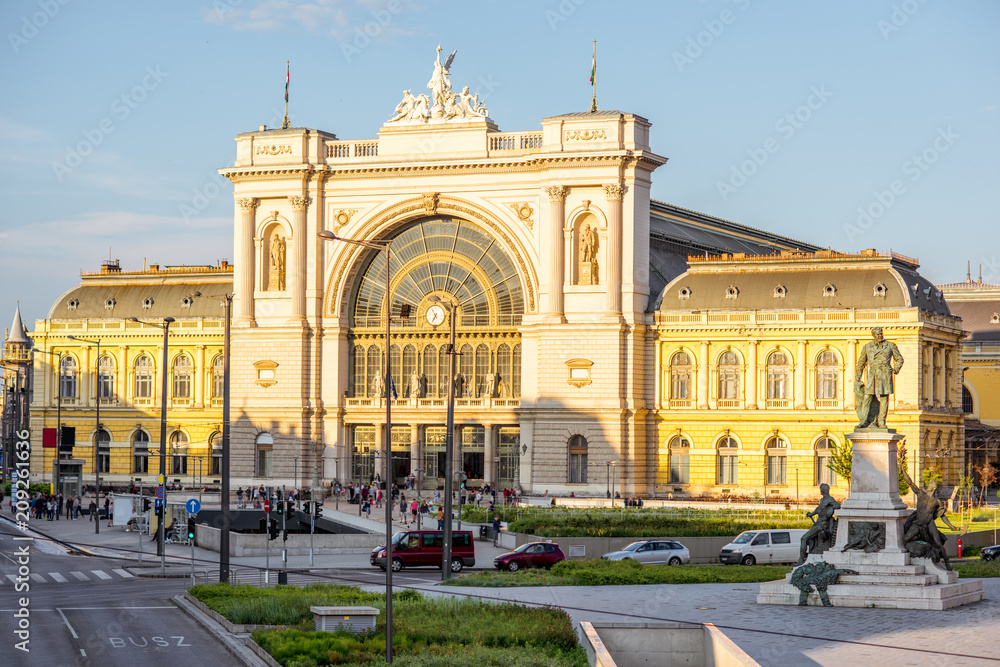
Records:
x=978, y=569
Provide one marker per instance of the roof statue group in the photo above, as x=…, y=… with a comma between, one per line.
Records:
x=443, y=105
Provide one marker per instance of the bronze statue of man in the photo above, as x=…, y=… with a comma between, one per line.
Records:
x=822, y=528
x=883, y=361
x=920, y=526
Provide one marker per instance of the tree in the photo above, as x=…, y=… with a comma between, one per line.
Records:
x=842, y=458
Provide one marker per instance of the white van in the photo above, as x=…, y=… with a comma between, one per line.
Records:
x=779, y=545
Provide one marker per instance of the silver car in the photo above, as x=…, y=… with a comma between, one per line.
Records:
x=653, y=552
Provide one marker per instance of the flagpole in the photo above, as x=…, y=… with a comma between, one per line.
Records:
x=593, y=81
x=285, y=124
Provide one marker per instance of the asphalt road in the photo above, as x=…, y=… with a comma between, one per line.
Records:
x=79, y=610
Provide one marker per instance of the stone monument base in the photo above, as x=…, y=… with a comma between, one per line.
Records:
x=918, y=585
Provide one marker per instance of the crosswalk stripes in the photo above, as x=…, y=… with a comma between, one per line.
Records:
x=71, y=577
x=123, y=574
x=58, y=577
x=102, y=574
x=37, y=577
x=81, y=576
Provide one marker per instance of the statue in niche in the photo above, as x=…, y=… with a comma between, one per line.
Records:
x=459, y=384
x=588, y=255
x=490, y=383
x=378, y=389
x=883, y=361
x=277, y=274
x=414, y=385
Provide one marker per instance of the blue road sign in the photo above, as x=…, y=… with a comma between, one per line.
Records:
x=158, y=502
x=159, y=492
x=193, y=506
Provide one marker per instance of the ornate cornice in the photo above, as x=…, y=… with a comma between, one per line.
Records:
x=248, y=204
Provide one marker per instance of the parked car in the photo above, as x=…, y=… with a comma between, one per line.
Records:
x=990, y=553
x=532, y=554
x=425, y=548
x=653, y=552
x=763, y=546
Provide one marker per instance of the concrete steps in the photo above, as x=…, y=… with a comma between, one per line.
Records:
x=883, y=596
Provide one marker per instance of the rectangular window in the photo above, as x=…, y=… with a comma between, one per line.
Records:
x=823, y=474
x=179, y=464
x=728, y=467
x=264, y=463
x=781, y=538
x=578, y=468
x=105, y=386
x=680, y=468
x=182, y=385
x=104, y=459
x=216, y=463
x=729, y=386
x=776, y=469
x=826, y=386
x=143, y=386
x=140, y=462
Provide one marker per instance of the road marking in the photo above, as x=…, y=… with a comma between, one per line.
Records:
x=58, y=577
x=81, y=576
x=102, y=574
x=83, y=653
x=66, y=621
x=123, y=574
x=37, y=577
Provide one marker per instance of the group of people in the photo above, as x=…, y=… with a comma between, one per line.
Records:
x=53, y=506
x=255, y=496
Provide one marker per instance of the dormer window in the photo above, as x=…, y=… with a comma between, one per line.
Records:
x=995, y=319
x=830, y=290
x=780, y=291
x=73, y=304
x=684, y=293
x=147, y=303
x=880, y=290
x=732, y=292
x=110, y=303
x=186, y=302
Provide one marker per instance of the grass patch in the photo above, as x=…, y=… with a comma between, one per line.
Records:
x=622, y=573
x=639, y=524
x=978, y=569
x=450, y=632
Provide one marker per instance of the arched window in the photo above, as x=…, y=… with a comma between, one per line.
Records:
x=503, y=371
x=443, y=361
x=396, y=362
x=143, y=377
x=140, y=453
x=515, y=372
x=103, y=450
x=823, y=451
x=409, y=367
x=777, y=461
x=482, y=369
x=577, y=460
x=778, y=372
x=182, y=376
x=729, y=377
x=680, y=377
x=968, y=405
x=265, y=451
x=106, y=377
x=680, y=460
x=431, y=370
x=178, y=453
x=68, y=376
x=466, y=363
x=218, y=377
x=373, y=368
x=827, y=376
x=215, y=446
x=728, y=461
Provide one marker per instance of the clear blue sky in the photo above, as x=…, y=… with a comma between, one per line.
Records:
x=839, y=103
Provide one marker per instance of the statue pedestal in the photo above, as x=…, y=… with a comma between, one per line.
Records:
x=870, y=542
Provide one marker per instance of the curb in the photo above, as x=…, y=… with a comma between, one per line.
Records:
x=235, y=645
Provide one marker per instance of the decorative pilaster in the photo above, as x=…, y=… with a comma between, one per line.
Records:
x=939, y=377
x=557, y=270
x=243, y=272
x=199, y=377
x=800, y=376
x=751, y=375
x=297, y=283
x=614, y=193
x=703, y=372
x=123, y=374
x=85, y=375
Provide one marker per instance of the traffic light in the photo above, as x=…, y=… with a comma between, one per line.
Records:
x=280, y=507
x=159, y=511
x=263, y=525
x=272, y=533
x=145, y=504
x=290, y=508
x=318, y=510
x=190, y=528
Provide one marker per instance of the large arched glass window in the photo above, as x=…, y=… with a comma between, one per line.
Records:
x=218, y=377
x=778, y=374
x=443, y=361
x=482, y=370
x=182, y=376
x=827, y=376
x=515, y=384
x=728, y=461
x=178, y=453
x=215, y=446
x=681, y=371
x=373, y=370
x=408, y=370
x=577, y=460
x=777, y=461
x=265, y=452
x=824, y=475
x=431, y=370
x=106, y=377
x=140, y=453
x=68, y=376
x=968, y=405
x=680, y=460
x=143, y=377
x=466, y=364
x=503, y=371
x=103, y=450
x=729, y=377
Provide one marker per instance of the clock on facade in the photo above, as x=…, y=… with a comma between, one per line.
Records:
x=435, y=315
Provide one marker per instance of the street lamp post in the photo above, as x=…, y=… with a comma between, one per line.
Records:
x=97, y=433
x=227, y=303
x=614, y=466
x=160, y=530
x=449, y=454
x=385, y=244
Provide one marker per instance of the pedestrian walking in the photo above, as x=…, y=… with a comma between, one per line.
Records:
x=414, y=508
x=239, y=497
x=440, y=518
x=496, y=530
x=402, y=509
x=108, y=510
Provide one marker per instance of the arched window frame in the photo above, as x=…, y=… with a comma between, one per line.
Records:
x=828, y=369
x=778, y=378
x=729, y=369
x=69, y=375
x=103, y=439
x=140, y=452
x=215, y=450
x=776, y=461
x=680, y=459
x=681, y=378
x=181, y=377
x=218, y=377
x=577, y=460
x=143, y=378
x=106, y=377
x=264, y=446
x=823, y=448
x=178, y=453
x=728, y=456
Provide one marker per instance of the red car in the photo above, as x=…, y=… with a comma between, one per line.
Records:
x=532, y=554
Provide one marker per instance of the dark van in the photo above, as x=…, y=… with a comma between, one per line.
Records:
x=424, y=548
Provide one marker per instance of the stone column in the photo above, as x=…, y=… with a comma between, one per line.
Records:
x=852, y=369
x=380, y=442
x=613, y=272
x=949, y=388
x=800, y=376
x=938, y=376
x=297, y=279
x=557, y=270
x=751, y=402
x=416, y=451
x=490, y=453
x=83, y=380
x=243, y=271
x=703, y=374
x=199, y=377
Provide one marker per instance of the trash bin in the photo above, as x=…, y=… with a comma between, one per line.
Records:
x=283, y=577
x=484, y=532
